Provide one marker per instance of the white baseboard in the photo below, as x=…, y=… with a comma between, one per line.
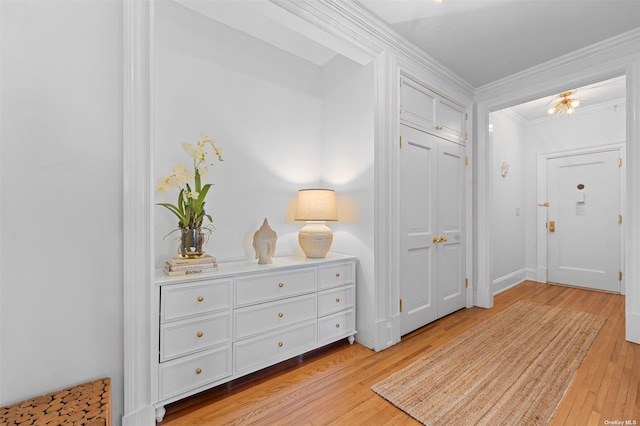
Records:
x=508, y=281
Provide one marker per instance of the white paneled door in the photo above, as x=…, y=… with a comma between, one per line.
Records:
x=583, y=227
x=432, y=233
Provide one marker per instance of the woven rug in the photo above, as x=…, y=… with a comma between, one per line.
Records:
x=512, y=369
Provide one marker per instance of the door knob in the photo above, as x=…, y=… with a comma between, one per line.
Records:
x=436, y=240
x=552, y=226
x=443, y=239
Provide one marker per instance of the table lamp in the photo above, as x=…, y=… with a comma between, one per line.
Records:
x=316, y=207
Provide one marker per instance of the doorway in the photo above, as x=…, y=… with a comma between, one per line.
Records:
x=581, y=217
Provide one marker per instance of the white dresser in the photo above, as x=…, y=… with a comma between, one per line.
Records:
x=213, y=328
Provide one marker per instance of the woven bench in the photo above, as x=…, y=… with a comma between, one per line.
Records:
x=87, y=404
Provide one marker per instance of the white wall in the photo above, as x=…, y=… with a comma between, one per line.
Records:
x=507, y=219
x=583, y=129
x=61, y=316
x=261, y=104
x=347, y=158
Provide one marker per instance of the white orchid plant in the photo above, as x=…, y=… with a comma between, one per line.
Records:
x=191, y=200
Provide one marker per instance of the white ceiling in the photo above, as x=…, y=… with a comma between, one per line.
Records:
x=605, y=94
x=485, y=40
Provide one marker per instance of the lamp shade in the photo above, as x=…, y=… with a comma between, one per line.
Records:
x=316, y=204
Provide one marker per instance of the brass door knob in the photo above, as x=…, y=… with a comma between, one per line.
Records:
x=200, y=298
x=200, y=334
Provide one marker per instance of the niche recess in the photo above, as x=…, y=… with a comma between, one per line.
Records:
x=290, y=107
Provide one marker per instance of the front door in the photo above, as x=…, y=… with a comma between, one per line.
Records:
x=583, y=227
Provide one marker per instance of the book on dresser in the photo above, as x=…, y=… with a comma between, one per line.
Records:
x=186, y=266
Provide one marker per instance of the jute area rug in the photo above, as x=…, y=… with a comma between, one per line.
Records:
x=513, y=369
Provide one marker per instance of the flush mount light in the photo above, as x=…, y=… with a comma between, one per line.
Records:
x=562, y=104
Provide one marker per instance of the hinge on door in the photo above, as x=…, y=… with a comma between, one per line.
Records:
x=400, y=81
x=466, y=160
x=620, y=276
x=400, y=108
x=466, y=115
x=400, y=142
x=400, y=305
x=466, y=283
x=466, y=135
x=619, y=161
x=620, y=219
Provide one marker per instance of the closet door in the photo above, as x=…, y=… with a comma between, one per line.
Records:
x=432, y=213
x=450, y=218
x=418, y=191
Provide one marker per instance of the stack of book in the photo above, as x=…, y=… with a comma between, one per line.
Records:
x=185, y=266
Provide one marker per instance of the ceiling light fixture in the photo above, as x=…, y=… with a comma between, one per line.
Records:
x=565, y=106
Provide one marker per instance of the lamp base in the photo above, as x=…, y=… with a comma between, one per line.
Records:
x=315, y=239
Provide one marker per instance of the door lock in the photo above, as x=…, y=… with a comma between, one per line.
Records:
x=552, y=226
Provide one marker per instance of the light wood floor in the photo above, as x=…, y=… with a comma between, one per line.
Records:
x=332, y=385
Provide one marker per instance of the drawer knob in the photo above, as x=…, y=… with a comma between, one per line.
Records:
x=338, y=325
x=200, y=298
x=280, y=314
x=337, y=274
x=337, y=300
x=280, y=344
x=198, y=370
x=200, y=334
x=280, y=285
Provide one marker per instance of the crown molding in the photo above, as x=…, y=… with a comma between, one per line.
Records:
x=513, y=116
x=624, y=49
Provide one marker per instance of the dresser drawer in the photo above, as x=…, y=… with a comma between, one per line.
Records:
x=270, y=286
x=335, y=300
x=257, y=319
x=179, y=338
x=261, y=351
x=336, y=326
x=335, y=275
x=178, y=301
x=191, y=372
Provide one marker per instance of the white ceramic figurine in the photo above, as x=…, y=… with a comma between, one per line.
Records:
x=264, y=243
